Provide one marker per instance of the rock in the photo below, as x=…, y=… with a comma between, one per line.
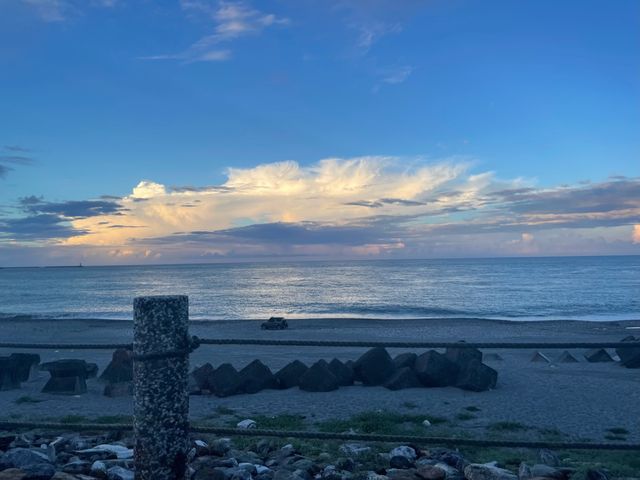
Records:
x=22, y=457
x=539, y=357
x=25, y=364
x=343, y=373
x=404, y=377
x=463, y=356
x=347, y=464
x=289, y=375
x=598, y=355
x=220, y=446
x=39, y=471
x=524, y=471
x=79, y=466
x=400, y=474
x=99, y=469
x=449, y=457
x=120, y=369
x=548, y=457
x=426, y=423
x=435, y=370
x=566, y=357
x=401, y=462
x=630, y=356
x=209, y=473
x=200, y=377
x=596, y=474
x=546, y=471
x=404, y=451
x=479, y=471
x=8, y=374
x=12, y=474
x=493, y=357
x=119, y=451
x=477, y=377
x=224, y=381
x=354, y=450
x=122, y=389
x=67, y=376
x=255, y=377
x=374, y=367
x=319, y=378
x=246, y=424
x=431, y=472
x=119, y=473
x=68, y=476
x=404, y=360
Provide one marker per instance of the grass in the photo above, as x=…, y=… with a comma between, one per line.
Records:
x=26, y=399
x=385, y=423
x=72, y=419
x=280, y=422
x=111, y=419
x=223, y=410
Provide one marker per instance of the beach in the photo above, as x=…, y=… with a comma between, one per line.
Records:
x=581, y=400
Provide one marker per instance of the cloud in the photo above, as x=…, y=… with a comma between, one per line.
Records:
x=53, y=11
x=14, y=155
x=37, y=227
x=636, y=234
x=230, y=21
x=71, y=209
x=397, y=75
x=4, y=170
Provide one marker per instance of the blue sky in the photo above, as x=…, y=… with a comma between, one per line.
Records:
x=100, y=96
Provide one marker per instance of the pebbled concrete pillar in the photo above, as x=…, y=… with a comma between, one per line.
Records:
x=161, y=400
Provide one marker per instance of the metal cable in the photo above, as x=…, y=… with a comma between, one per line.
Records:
x=418, y=440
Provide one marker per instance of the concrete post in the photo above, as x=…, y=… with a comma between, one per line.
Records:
x=161, y=401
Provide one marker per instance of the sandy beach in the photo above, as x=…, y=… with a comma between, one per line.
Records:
x=582, y=400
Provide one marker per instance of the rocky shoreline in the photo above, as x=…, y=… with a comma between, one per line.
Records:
x=38, y=455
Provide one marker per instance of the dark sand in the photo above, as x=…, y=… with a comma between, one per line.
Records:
x=582, y=400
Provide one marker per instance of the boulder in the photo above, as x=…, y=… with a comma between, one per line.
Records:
x=374, y=367
x=255, y=377
x=545, y=471
x=435, y=370
x=120, y=369
x=431, y=472
x=463, y=356
x=224, y=381
x=22, y=458
x=343, y=373
x=477, y=377
x=200, y=376
x=405, y=377
x=26, y=365
x=289, y=375
x=539, y=357
x=548, y=457
x=630, y=356
x=598, y=355
x=404, y=360
x=39, y=471
x=67, y=376
x=566, y=357
x=319, y=378
x=8, y=374
x=398, y=461
x=481, y=471
x=593, y=474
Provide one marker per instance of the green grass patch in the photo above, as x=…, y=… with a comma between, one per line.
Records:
x=280, y=422
x=507, y=427
x=112, y=419
x=385, y=423
x=72, y=419
x=26, y=399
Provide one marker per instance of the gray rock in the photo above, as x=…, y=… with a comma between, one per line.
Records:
x=200, y=377
x=598, y=355
x=255, y=377
x=220, y=446
x=319, y=378
x=435, y=370
x=354, y=450
x=78, y=466
x=119, y=473
x=224, y=381
x=25, y=364
x=374, y=367
x=67, y=376
x=404, y=451
x=343, y=373
x=596, y=475
x=566, y=357
x=630, y=356
x=480, y=471
x=289, y=375
x=404, y=360
x=477, y=377
x=22, y=457
x=463, y=356
x=400, y=461
x=38, y=471
x=120, y=369
x=539, y=357
x=524, y=472
x=541, y=470
x=548, y=457
x=402, y=378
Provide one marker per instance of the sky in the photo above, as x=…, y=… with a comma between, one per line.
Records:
x=183, y=131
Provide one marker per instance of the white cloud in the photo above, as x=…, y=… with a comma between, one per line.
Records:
x=61, y=10
x=398, y=75
x=231, y=20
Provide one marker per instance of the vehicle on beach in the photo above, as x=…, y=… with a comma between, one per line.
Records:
x=275, y=323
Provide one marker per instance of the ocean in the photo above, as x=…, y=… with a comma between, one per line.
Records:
x=588, y=288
